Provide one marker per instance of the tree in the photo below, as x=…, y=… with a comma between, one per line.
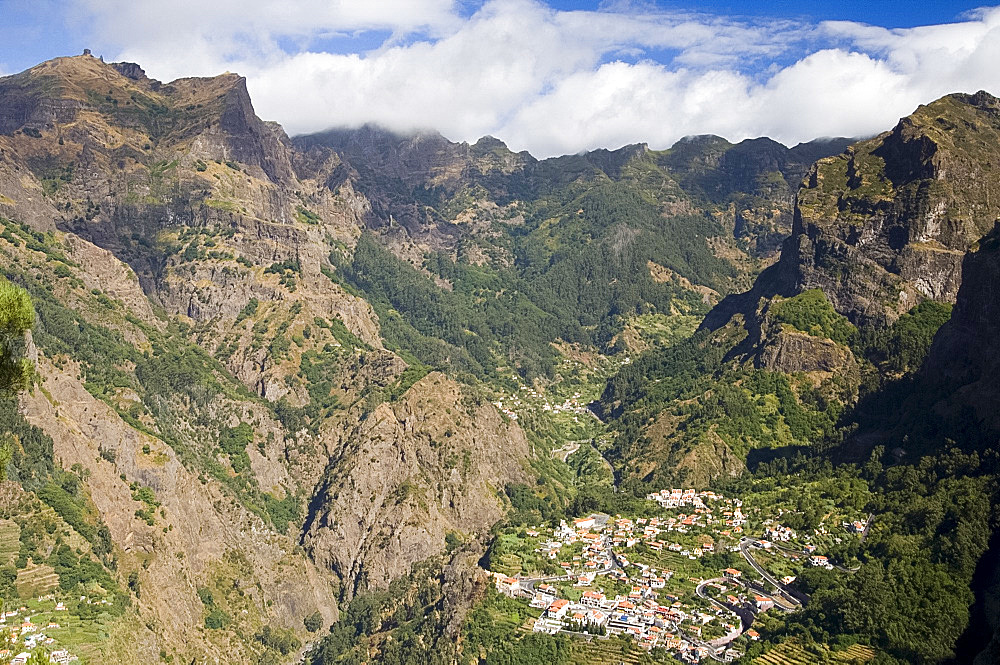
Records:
x=313, y=622
x=38, y=657
x=16, y=318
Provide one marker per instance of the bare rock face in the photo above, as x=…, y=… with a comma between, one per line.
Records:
x=779, y=347
x=407, y=475
x=130, y=70
x=965, y=356
x=792, y=351
x=197, y=519
x=886, y=225
x=249, y=140
x=22, y=198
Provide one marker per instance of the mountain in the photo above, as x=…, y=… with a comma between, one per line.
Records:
x=212, y=397
x=864, y=353
x=265, y=365
x=290, y=383
x=877, y=230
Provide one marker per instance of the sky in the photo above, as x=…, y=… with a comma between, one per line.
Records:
x=551, y=77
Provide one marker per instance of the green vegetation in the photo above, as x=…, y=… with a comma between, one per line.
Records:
x=581, y=270
x=217, y=618
x=902, y=347
x=306, y=216
x=910, y=596
x=281, y=640
x=810, y=312
x=168, y=375
x=234, y=442
x=282, y=512
x=147, y=497
x=313, y=622
x=405, y=625
x=702, y=400
x=933, y=508
x=16, y=317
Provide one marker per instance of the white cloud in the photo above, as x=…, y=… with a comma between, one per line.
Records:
x=189, y=37
x=557, y=81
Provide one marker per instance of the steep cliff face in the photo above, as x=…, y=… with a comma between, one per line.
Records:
x=965, y=358
x=200, y=537
x=886, y=224
x=206, y=377
x=408, y=475
x=877, y=230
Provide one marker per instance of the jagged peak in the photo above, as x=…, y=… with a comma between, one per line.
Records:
x=130, y=70
x=980, y=99
x=367, y=137
x=489, y=143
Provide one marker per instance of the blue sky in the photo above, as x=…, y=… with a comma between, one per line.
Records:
x=549, y=76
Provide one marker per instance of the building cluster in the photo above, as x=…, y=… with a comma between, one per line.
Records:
x=644, y=609
x=857, y=526
x=509, y=404
x=604, y=584
x=779, y=534
x=24, y=634
x=650, y=617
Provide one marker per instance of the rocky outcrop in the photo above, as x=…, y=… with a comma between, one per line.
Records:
x=248, y=139
x=408, y=474
x=130, y=70
x=886, y=224
x=791, y=351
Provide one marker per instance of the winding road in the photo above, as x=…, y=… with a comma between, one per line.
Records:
x=744, y=613
x=796, y=598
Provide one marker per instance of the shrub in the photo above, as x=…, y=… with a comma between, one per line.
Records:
x=313, y=622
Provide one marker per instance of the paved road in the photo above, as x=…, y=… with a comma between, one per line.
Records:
x=868, y=525
x=746, y=616
x=562, y=453
x=794, y=597
x=787, y=551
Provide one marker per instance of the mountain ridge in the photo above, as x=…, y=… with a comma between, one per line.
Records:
x=281, y=372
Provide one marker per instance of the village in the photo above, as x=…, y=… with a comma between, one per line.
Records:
x=661, y=578
x=26, y=630
x=509, y=405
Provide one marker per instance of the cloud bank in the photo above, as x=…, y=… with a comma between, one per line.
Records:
x=549, y=81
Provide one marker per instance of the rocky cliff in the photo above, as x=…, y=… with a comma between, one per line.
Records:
x=877, y=230
x=216, y=391
x=887, y=224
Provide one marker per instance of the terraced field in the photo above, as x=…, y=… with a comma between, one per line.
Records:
x=602, y=651
x=794, y=653
x=613, y=651
x=36, y=580
x=10, y=534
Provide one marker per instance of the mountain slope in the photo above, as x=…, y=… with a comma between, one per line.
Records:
x=267, y=364
x=162, y=226
x=877, y=231
x=848, y=351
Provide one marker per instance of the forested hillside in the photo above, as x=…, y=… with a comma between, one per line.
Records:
x=269, y=399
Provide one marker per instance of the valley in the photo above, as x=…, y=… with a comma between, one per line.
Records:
x=360, y=396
